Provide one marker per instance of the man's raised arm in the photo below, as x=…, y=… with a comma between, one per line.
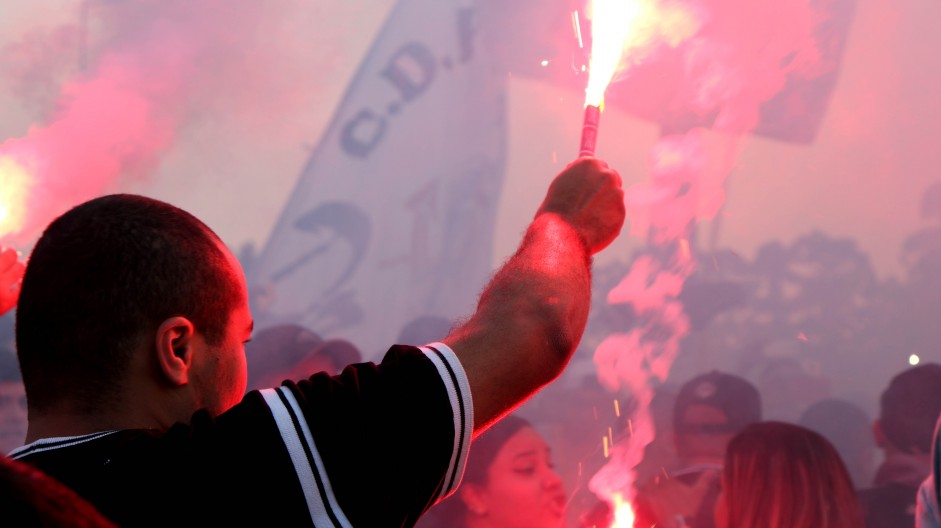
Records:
x=531, y=316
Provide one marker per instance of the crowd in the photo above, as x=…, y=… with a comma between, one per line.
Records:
x=140, y=394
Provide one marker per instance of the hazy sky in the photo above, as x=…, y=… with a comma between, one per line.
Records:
x=863, y=179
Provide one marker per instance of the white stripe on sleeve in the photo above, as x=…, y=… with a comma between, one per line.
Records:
x=462, y=408
x=302, y=464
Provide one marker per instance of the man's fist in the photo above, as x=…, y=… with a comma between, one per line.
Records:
x=588, y=196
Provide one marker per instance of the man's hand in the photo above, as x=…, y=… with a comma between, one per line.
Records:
x=11, y=277
x=588, y=196
x=531, y=316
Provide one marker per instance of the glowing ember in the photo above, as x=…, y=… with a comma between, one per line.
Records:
x=577, y=27
x=15, y=182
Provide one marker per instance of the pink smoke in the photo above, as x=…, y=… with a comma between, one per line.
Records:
x=742, y=55
x=152, y=67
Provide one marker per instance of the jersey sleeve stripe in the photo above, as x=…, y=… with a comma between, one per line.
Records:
x=458, y=388
x=336, y=513
x=286, y=420
x=50, y=444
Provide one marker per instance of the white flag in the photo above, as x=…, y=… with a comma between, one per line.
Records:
x=393, y=216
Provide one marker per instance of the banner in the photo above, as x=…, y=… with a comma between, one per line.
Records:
x=393, y=216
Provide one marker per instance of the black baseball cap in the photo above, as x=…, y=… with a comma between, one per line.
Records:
x=735, y=396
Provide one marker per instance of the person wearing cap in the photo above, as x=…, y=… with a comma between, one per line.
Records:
x=709, y=410
x=908, y=410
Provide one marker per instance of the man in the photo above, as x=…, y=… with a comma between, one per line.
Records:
x=908, y=410
x=709, y=410
x=131, y=326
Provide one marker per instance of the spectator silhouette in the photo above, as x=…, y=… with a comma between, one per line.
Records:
x=781, y=475
x=847, y=427
x=708, y=411
x=908, y=410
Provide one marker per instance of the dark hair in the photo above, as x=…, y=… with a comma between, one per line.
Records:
x=29, y=497
x=780, y=475
x=909, y=408
x=485, y=448
x=452, y=511
x=98, y=284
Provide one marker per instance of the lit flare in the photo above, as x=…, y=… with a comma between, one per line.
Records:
x=15, y=183
x=623, y=513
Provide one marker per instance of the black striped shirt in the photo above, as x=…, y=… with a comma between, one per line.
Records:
x=374, y=446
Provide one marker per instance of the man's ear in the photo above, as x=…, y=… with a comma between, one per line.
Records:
x=175, y=349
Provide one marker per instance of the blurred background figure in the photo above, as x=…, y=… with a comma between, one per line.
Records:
x=331, y=357
x=928, y=509
x=848, y=428
x=908, y=410
x=789, y=385
x=424, y=330
x=780, y=475
x=274, y=350
x=510, y=482
x=291, y=351
x=708, y=411
x=12, y=403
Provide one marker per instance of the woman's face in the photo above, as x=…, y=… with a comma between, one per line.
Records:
x=523, y=490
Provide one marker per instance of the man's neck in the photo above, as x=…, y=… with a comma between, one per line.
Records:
x=70, y=422
x=64, y=424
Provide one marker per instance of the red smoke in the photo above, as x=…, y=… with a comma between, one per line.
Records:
x=741, y=56
x=151, y=66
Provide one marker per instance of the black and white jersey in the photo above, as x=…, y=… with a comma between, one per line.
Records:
x=374, y=446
